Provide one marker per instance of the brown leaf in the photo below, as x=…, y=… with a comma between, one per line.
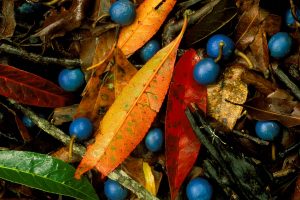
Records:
x=63, y=154
x=260, y=52
x=8, y=22
x=58, y=23
x=261, y=84
x=248, y=26
x=280, y=94
x=231, y=88
x=260, y=114
x=63, y=114
x=271, y=24
x=280, y=106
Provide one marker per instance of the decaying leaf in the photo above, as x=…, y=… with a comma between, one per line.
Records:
x=135, y=168
x=130, y=116
x=229, y=88
x=262, y=114
x=8, y=22
x=221, y=13
x=296, y=195
x=63, y=114
x=58, y=23
x=248, y=26
x=261, y=84
x=149, y=17
x=260, y=52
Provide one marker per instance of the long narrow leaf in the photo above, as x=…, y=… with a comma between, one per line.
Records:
x=130, y=116
x=44, y=173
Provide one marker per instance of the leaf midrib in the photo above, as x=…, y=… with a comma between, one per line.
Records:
x=42, y=177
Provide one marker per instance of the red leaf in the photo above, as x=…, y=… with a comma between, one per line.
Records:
x=296, y=195
x=182, y=146
x=30, y=89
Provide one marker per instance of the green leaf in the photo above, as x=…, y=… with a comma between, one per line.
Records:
x=220, y=15
x=45, y=173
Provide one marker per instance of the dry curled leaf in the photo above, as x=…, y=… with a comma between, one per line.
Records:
x=248, y=26
x=229, y=88
x=58, y=23
x=149, y=17
x=63, y=114
x=132, y=113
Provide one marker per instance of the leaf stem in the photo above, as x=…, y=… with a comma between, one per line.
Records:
x=245, y=57
x=221, y=45
x=117, y=175
x=18, y=52
x=249, y=137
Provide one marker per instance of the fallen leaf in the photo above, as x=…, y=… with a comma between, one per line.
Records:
x=260, y=52
x=264, y=114
x=248, y=26
x=230, y=88
x=134, y=167
x=280, y=106
x=57, y=24
x=149, y=17
x=30, y=89
x=149, y=179
x=8, y=22
x=220, y=14
x=181, y=144
x=63, y=114
x=261, y=84
x=95, y=82
x=130, y=116
x=115, y=79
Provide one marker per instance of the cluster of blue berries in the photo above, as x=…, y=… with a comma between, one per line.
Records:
x=206, y=71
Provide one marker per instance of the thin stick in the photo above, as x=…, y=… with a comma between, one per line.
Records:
x=117, y=175
x=18, y=52
x=249, y=137
x=285, y=79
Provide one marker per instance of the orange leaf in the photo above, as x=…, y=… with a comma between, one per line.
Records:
x=149, y=17
x=130, y=116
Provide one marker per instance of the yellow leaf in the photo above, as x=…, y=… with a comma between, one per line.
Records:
x=149, y=178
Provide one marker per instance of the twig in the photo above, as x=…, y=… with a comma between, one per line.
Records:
x=117, y=174
x=15, y=51
x=289, y=150
x=285, y=79
x=249, y=137
x=172, y=27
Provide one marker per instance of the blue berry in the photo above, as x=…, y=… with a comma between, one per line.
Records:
x=267, y=130
x=199, y=188
x=114, y=191
x=154, y=140
x=71, y=79
x=206, y=71
x=213, y=46
x=29, y=8
x=149, y=50
x=81, y=128
x=122, y=12
x=280, y=44
x=289, y=19
x=27, y=122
